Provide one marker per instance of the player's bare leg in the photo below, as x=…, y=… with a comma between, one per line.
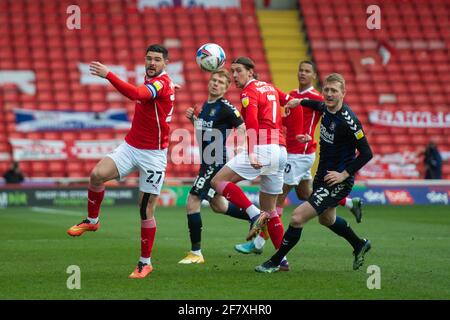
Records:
x=304, y=189
x=147, y=205
x=104, y=171
x=195, y=228
x=219, y=204
x=341, y=227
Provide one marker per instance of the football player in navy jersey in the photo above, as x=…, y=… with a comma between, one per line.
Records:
x=341, y=133
x=212, y=125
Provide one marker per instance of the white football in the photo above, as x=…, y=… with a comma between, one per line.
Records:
x=210, y=57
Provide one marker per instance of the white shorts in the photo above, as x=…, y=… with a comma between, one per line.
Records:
x=272, y=157
x=151, y=164
x=298, y=168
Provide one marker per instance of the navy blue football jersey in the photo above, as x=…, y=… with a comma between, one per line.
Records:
x=213, y=125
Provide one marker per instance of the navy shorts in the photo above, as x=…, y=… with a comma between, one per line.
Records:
x=324, y=196
x=202, y=185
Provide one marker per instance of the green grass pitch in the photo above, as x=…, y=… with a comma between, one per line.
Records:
x=411, y=245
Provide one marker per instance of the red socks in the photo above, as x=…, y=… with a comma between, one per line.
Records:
x=95, y=198
x=148, y=231
x=280, y=211
x=276, y=230
x=234, y=194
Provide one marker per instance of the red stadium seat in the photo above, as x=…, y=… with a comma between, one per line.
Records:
x=413, y=75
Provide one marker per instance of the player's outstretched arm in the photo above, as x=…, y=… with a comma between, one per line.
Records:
x=313, y=104
x=293, y=103
x=130, y=91
x=98, y=69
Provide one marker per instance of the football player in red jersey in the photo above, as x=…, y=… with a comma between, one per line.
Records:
x=301, y=156
x=144, y=149
x=265, y=155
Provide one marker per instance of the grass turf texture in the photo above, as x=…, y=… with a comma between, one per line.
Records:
x=411, y=245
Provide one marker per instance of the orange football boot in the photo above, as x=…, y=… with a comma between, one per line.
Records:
x=141, y=271
x=257, y=225
x=79, y=229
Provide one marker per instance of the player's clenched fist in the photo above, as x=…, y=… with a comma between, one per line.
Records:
x=98, y=69
x=190, y=113
x=254, y=161
x=303, y=138
x=294, y=103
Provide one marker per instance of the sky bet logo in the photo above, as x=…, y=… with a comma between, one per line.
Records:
x=399, y=197
x=437, y=197
x=374, y=196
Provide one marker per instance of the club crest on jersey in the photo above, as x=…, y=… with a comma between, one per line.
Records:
x=332, y=126
x=245, y=102
x=212, y=112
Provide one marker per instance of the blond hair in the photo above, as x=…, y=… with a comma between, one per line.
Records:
x=336, y=77
x=223, y=73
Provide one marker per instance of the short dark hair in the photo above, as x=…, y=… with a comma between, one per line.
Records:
x=158, y=48
x=313, y=65
x=247, y=63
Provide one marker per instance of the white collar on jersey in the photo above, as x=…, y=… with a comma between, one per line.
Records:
x=248, y=82
x=305, y=91
x=162, y=73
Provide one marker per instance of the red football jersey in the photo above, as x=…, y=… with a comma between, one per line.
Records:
x=310, y=120
x=261, y=113
x=150, y=126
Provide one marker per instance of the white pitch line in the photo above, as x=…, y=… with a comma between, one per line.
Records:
x=57, y=211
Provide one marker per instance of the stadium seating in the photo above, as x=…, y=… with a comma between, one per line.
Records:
x=416, y=75
x=34, y=37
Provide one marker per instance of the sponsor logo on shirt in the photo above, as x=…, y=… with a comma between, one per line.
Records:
x=264, y=89
x=200, y=123
x=325, y=135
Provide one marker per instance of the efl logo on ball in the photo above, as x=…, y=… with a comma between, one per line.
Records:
x=210, y=57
